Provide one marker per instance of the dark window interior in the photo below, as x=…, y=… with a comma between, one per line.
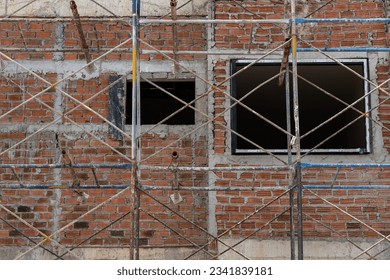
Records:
x=315, y=107
x=156, y=104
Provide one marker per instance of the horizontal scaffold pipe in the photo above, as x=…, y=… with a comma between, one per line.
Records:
x=285, y=21
x=145, y=188
x=123, y=19
x=74, y=165
x=147, y=167
x=352, y=49
x=220, y=52
x=217, y=168
x=343, y=187
x=206, y=189
x=205, y=21
x=60, y=187
x=212, y=189
x=339, y=165
x=126, y=20
x=341, y=20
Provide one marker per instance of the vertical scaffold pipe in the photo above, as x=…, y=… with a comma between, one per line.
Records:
x=289, y=160
x=134, y=82
x=135, y=198
x=297, y=141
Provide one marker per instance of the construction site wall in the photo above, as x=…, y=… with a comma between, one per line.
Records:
x=44, y=57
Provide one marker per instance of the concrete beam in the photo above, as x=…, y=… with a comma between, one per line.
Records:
x=321, y=249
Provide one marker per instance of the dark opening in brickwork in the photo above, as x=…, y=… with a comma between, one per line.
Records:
x=80, y=225
x=22, y=208
x=156, y=104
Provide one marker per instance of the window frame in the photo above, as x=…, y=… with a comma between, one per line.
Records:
x=367, y=106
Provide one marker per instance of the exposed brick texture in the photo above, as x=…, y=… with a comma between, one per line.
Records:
x=65, y=142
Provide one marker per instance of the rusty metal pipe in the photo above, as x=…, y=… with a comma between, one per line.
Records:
x=77, y=22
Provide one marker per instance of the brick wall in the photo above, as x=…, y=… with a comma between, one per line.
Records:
x=368, y=205
x=50, y=209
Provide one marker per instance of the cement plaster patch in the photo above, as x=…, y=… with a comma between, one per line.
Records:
x=312, y=249
x=3, y=5
x=98, y=253
x=95, y=8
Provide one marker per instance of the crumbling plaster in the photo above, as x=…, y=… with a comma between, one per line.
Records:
x=94, y=8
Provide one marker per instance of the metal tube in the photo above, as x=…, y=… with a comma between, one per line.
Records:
x=352, y=187
x=123, y=19
x=62, y=187
x=289, y=160
x=135, y=197
x=295, y=142
x=134, y=86
x=252, y=51
x=151, y=188
x=174, y=33
x=322, y=165
x=83, y=41
x=351, y=49
x=206, y=189
x=222, y=52
x=204, y=21
x=300, y=211
x=136, y=222
x=45, y=50
x=219, y=168
x=74, y=165
x=133, y=127
x=341, y=20
x=138, y=139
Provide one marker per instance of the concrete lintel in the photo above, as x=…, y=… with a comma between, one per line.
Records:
x=114, y=66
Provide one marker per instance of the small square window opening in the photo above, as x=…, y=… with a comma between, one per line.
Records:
x=156, y=105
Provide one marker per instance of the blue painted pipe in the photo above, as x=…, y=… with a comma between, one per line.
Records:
x=352, y=49
x=75, y=165
x=317, y=165
x=341, y=20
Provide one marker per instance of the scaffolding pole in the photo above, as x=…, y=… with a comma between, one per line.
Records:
x=134, y=193
x=296, y=140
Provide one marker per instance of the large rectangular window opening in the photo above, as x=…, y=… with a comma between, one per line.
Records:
x=156, y=105
x=315, y=107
